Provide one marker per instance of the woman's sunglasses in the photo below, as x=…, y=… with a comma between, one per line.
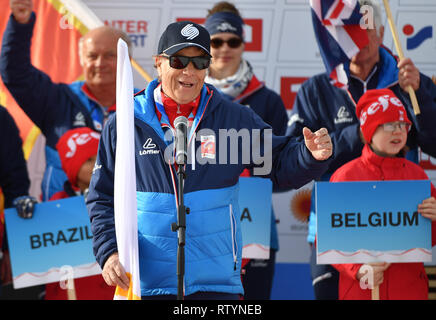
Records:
x=232, y=42
x=181, y=62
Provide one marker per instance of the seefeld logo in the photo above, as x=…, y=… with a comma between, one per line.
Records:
x=382, y=103
x=78, y=140
x=190, y=32
x=148, y=148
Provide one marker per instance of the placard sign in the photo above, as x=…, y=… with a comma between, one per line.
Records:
x=255, y=196
x=55, y=244
x=57, y=241
x=372, y=221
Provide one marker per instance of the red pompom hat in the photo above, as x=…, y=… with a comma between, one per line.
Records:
x=75, y=147
x=377, y=107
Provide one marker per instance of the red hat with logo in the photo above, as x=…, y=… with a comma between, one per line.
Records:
x=75, y=147
x=377, y=107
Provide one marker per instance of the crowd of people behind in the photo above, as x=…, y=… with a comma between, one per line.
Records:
x=224, y=94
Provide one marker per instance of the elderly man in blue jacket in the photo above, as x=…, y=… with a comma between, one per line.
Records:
x=58, y=107
x=213, y=235
x=320, y=104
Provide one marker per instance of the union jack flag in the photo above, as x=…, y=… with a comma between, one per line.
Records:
x=339, y=35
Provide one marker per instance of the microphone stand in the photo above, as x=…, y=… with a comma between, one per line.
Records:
x=180, y=226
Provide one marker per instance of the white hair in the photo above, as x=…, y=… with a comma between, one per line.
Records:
x=376, y=11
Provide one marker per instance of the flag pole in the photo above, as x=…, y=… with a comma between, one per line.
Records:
x=375, y=293
x=141, y=70
x=71, y=289
x=400, y=54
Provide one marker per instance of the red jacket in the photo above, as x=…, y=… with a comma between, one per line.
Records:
x=406, y=281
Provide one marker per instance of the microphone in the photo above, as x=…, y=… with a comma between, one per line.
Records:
x=181, y=126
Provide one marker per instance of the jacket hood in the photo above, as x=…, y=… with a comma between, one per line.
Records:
x=389, y=71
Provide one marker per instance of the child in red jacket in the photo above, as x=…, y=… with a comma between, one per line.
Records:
x=384, y=126
x=78, y=151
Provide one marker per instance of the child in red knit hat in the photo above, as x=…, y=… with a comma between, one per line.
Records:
x=78, y=151
x=384, y=126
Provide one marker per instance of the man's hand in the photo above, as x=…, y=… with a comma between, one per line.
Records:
x=408, y=74
x=21, y=9
x=114, y=273
x=318, y=143
x=25, y=206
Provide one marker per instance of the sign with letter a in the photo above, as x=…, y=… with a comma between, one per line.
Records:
x=255, y=196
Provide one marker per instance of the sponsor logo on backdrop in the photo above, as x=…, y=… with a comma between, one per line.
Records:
x=416, y=37
x=288, y=89
x=136, y=29
x=252, y=32
x=300, y=204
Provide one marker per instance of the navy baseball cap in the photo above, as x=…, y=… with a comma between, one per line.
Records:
x=183, y=34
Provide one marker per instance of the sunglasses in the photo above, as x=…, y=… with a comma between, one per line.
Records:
x=181, y=62
x=232, y=42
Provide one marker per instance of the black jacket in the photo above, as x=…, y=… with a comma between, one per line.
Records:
x=14, y=179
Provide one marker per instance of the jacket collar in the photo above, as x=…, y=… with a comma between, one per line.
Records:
x=388, y=75
x=373, y=159
x=253, y=86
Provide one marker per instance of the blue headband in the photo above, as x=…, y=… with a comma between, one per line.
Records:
x=225, y=22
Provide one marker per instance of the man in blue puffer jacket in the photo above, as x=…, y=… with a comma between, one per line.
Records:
x=213, y=236
x=320, y=104
x=58, y=107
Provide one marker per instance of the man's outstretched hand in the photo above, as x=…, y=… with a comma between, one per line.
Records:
x=319, y=143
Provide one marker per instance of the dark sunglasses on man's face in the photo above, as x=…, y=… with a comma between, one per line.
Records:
x=232, y=42
x=181, y=62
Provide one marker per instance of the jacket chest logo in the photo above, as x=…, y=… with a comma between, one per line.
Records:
x=79, y=120
x=148, y=148
x=343, y=116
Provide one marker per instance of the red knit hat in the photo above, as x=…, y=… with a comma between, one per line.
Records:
x=75, y=147
x=377, y=107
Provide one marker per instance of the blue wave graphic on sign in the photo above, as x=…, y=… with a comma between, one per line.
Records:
x=423, y=34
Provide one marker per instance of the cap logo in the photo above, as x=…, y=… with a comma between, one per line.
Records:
x=224, y=26
x=190, y=32
x=78, y=140
x=383, y=102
